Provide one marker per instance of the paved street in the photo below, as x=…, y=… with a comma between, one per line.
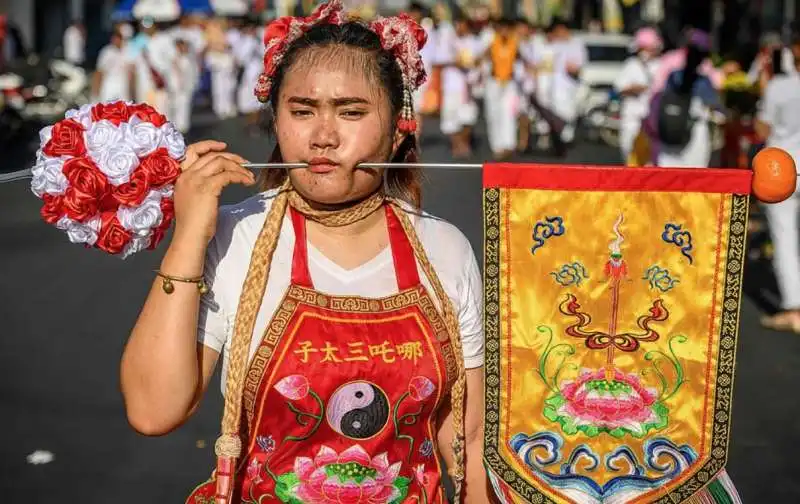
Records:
x=67, y=312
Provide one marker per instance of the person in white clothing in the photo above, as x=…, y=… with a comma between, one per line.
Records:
x=526, y=78
x=183, y=85
x=502, y=101
x=634, y=85
x=222, y=64
x=75, y=44
x=779, y=123
x=543, y=51
x=112, y=78
x=251, y=56
x=153, y=53
x=459, y=113
x=570, y=57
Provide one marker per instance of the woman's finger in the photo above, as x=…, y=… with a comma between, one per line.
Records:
x=199, y=149
x=219, y=181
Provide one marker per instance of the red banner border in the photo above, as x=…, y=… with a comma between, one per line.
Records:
x=616, y=178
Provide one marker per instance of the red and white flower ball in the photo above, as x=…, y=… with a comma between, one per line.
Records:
x=106, y=175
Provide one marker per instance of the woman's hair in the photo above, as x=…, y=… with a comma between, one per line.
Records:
x=694, y=58
x=379, y=65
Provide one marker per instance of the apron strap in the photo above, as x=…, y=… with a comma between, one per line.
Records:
x=301, y=276
x=405, y=263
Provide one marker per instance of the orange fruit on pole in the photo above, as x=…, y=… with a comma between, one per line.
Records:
x=774, y=175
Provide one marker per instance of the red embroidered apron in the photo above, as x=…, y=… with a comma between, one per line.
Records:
x=341, y=397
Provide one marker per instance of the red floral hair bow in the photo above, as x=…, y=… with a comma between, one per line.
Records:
x=399, y=35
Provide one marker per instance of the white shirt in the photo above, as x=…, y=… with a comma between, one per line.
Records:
x=450, y=48
x=636, y=72
x=228, y=258
x=74, y=45
x=569, y=52
x=115, y=67
x=781, y=110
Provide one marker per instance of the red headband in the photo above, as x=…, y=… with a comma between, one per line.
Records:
x=399, y=35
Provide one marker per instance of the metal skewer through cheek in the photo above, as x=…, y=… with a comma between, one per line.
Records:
x=289, y=166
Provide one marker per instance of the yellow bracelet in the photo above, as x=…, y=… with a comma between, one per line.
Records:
x=169, y=287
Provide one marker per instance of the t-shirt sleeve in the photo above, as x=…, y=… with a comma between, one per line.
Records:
x=213, y=326
x=470, y=311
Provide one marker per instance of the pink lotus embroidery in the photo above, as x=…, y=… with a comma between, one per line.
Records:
x=293, y=387
x=591, y=404
x=352, y=476
x=420, y=388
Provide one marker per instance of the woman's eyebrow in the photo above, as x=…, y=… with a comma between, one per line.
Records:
x=345, y=100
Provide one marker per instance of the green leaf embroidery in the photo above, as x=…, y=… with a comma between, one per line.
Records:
x=402, y=485
x=286, y=487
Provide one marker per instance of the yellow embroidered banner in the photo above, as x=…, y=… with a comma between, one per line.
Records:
x=612, y=304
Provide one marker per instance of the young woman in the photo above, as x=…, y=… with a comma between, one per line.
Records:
x=351, y=321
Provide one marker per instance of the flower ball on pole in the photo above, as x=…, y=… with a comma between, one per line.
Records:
x=106, y=173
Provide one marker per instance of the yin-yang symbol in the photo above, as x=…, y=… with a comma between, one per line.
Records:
x=358, y=410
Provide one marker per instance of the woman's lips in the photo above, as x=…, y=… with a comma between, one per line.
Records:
x=321, y=168
x=321, y=165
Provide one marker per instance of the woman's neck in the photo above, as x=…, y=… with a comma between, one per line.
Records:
x=357, y=228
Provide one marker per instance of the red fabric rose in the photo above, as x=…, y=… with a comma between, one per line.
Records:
x=88, y=187
x=52, y=211
x=112, y=237
x=133, y=192
x=160, y=168
x=67, y=139
x=116, y=112
x=147, y=113
x=415, y=29
x=168, y=211
x=277, y=29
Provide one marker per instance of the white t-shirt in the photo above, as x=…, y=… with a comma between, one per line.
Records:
x=781, y=110
x=115, y=66
x=228, y=259
x=636, y=72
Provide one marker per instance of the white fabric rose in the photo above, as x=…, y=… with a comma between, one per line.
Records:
x=118, y=162
x=143, y=217
x=100, y=137
x=136, y=244
x=45, y=135
x=81, y=233
x=48, y=177
x=82, y=115
x=144, y=137
x=173, y=141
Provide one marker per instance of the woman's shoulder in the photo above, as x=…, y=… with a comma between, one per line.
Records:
x=438, y=236
x=241, y=222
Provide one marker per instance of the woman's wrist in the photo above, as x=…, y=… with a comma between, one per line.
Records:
x=185, y=256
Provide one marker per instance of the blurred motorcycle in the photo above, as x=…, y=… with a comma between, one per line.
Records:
x=602, y=122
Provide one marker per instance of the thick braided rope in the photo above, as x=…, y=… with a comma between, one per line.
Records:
x=338, y=218
x=229, y=445
x=454, y=332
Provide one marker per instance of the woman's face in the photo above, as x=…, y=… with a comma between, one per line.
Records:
x=333, y=116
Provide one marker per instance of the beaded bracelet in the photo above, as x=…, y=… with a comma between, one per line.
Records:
x=169, y=287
